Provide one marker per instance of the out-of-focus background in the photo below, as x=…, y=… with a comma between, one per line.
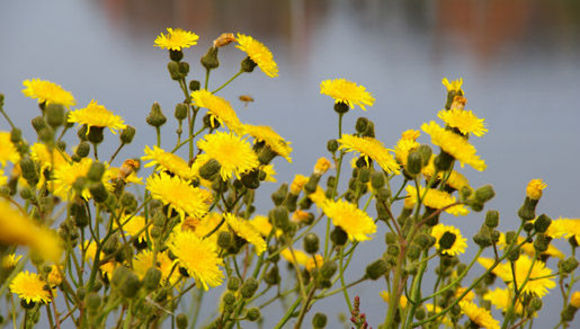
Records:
x=520, y=61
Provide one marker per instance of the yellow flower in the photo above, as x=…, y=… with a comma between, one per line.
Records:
x=41, y=154
x=369, y=147
x=529, y=249
x=469, y=297
x=218, y=107
x=315, y=261
x=47, y=92
x=347, y=92
x=55, y=275
x=301, y=258
x=458, y=244
x=297, y=184
x=318, y=197
x=410, y=134
x=539, y=281
x=176, y=39
x=454, y=144
x=403, y=301
x=234, y=154
x=30, y=287
x=502, y=299
x=322, y=165
x=244, y=229
x=162, y=160
x=564, y=228
x=108, y=268
x=465, y=121
x=436, y=199
x=199, y=257
x=10, y=260
x=19, y=229
x=270, y=173
x=534, y=189
x=575, y=299
x=178, y=194
x=95, y=115
x=66, y=175
x=8, y=152
x=454, y=85
x=274, y=141
x=262, y=225
x=259, y=54
x=203, y=226
x=144, y=260
x=480, y=316
x=455, y=180
x=403, y=148
x=356, y=223
x=300, y=216
x=132, y=225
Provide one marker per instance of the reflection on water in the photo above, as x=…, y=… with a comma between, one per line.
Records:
x=519, y=60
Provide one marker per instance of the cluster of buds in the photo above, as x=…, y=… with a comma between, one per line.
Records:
x=357, y=318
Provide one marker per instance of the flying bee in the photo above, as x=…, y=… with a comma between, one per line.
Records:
x=246, y=99
x=129, y=166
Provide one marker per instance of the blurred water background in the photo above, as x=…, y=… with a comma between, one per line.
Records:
x=519, y=60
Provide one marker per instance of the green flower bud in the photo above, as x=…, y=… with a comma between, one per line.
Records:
x=55, y=115
x=127, y=135
x=341, y=108
x=568, y=313
x=251, y=179
x=46, y=136
x=156, y=118
x=311, y=243
x=38, y=123
x=234, y=283
x=79, y=185
x=16, y=135
x=482, y=240
x=383, y=194
x=377, y=180
x=361, y=124
x=175, y=55
x=93, y=302
x=130, y=286
x=96, y=171
x=484, y=193
x=332, y=145
x=98, y=192
x=535, y=304
x=390, y=238
x=210, y=59
x=228, y=298
x=29, y=171
x=338, y=236
x=475, y=205
x=319, y=320
x=210, y=169
x=382, y=212
x=181, y=321
x=328, y=269
x=541, y=243
x=510, y=237
x=61, y=146
x=514, y=254
x=26, y=193
x=414, y=163
x=528, y=209
x=95, y=135
x=376, y=269
x=426, y=152
x=569, y=265
x=443, y=161
x=249, y=288
x=280, y=217
x=542, y=223
x=425, y=240
x=183, y=68
x=370, y=132
x=194, y=85
x=420, y=314
x=181, y=111
x=273, y=276
x=152, y=278
x=528, y=227
x=253, y=314
x=248, y=65
x=79, y=213
x=492, y=218
x=414, y=252
x=173, y=68
x=225, y=239
x=447, y=240
x=280, y=195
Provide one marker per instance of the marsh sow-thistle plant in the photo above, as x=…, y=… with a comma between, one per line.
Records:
x=94, y=237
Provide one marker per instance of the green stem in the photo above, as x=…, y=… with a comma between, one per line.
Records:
x=7, y=118
x=227, y=82
x=288, y=313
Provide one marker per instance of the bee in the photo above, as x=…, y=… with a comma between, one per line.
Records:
x=246, y=99
x=129, y=166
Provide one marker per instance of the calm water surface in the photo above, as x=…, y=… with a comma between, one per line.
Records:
x=519, y=60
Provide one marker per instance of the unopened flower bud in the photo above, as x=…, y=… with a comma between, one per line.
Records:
x=181, y=321
x=568, y=313
x=414, y=163
x=228, y=298
x=29, y=171
x=98, y=192
x=376, y=269
x=194, y=85
x=377, y=180
x=332, y=145
x=156, y=118
x=280, y=217
x=542, y=223
x=46, y=135
x=175, y=55
x=181, y=111
x=127, y=135
x=420, y=314
x=492, y=218
x=130, y=286
x=152, y=278
x=425, y=152
x=209, y=169
x=93, y=302
x=341, y=107
x=541, y=243
x=484, y=193
x=425, y=240
x=483, y=240
x=225, y=239
x=253, y=314
x=328, y=269
x=319, y=320
x=273, y=276
x=383, y=194
x=249, y=287
x=16, y=135
x=210, y=59
x=251, y=179
x=95, y=134
x=311, y=243
x=248, y=65
x=38, y=123
x=528, y=209
x=528, y=227
x=55, y=115
x=183, y=68
x=338, y=236
x=569, y=265
x=514, y=254
x=234, y=283
x=443, y=161
x=96, y=171
x=173, y=68
x=361, y=124
x=280, y=194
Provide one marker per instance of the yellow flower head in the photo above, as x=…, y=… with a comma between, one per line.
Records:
x=403, y=301
x=300, y=258
x=259, y=54
x=270, y=173
x=470, y=296
x=30, y=287
x=176, y=39
x=403, y=148
x=479, y=315
x=297, y=184
x=300, y=216
x=133, y=225
x=234, y=154
x=318, y=197
x=218, y=107
x=454, y=144
x=347, y=92
x=246, y=231
x=178, y=194
x=95, y=115
x=436, y=199
x=502, y=299
x=19, y=229
x=163, y=160
x=369, y=147
x=41, y=154
x=262, y=224
x=66, y=175
x=452, y=235
x=410, y=134
x=199, y=257
x=47, y=92
x=575, y=299
x=274, y=141
x=322, y=165
x=8, y=152
x=465, y=121
x=534, y=189
x=564, y=228
x=454, y=85
x=356, y=223
x=55, y=275
x=144, y=260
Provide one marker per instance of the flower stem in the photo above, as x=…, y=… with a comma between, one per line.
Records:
x=228, y=82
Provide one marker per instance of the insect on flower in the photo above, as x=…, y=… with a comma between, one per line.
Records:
x=246, y=99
